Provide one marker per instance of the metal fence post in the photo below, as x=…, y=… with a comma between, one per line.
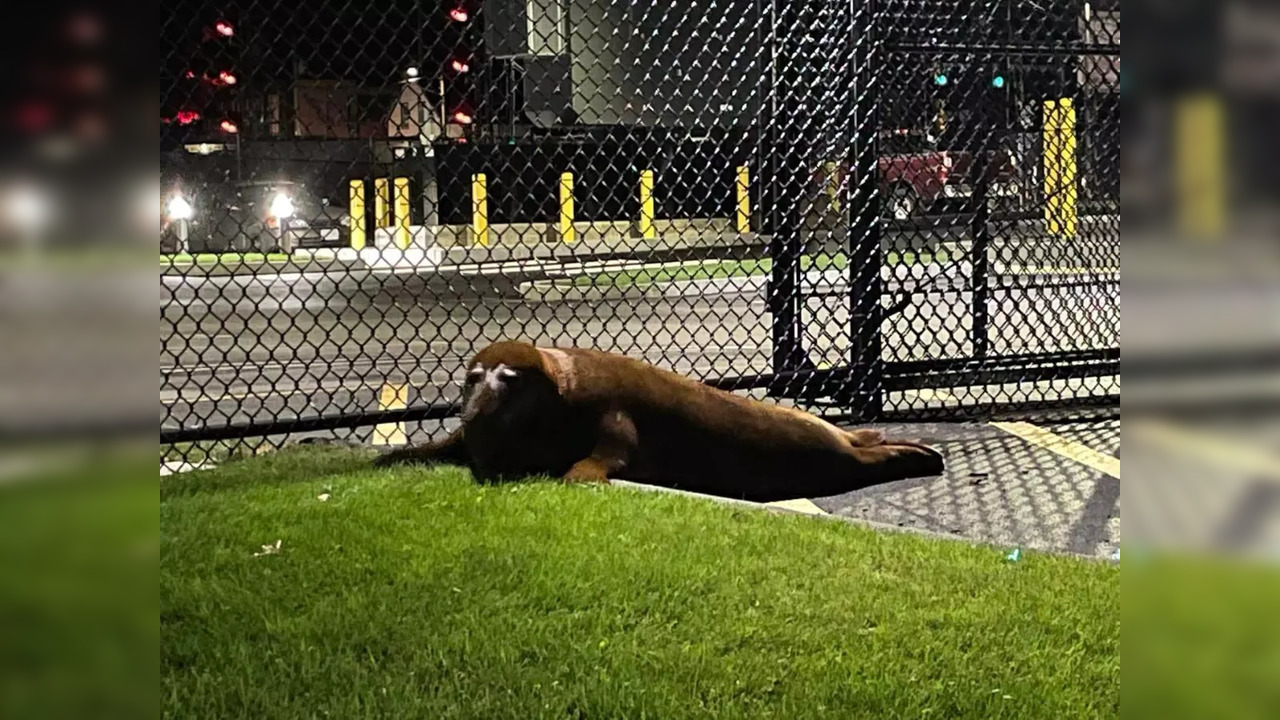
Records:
x=782, y=184
x=865, y=244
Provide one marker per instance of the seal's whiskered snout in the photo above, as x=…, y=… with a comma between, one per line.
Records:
x=486, y=387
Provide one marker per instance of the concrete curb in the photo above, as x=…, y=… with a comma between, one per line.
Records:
x=565, y=289
x=827, y=281
x=782, y=509
x=263, y=268
x=785, y=510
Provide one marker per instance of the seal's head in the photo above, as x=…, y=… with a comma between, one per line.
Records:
x=509, y=381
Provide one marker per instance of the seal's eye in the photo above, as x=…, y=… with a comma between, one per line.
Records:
x=475, y=375
x=506, y=374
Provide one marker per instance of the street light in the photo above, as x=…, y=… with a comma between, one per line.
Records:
x=282, y=207
x=28, y=209
x=180, y=211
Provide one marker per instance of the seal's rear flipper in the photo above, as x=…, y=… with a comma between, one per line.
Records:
x=900, y=460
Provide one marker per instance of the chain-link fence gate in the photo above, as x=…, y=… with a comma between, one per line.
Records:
x=882, y=209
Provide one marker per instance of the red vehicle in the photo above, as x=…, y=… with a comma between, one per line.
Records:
x=917, y=179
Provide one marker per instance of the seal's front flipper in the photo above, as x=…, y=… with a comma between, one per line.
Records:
x=450, y=451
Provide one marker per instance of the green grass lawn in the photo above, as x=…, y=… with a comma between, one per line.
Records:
x=416, y=593
x=719, y=269
x=222, y=258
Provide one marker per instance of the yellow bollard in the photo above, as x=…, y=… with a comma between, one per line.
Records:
x=479, y=210
x=645, y=224
x=566, y=231
x=356, y=209
x=1060, y=187
x=1200, y=160
x=833, y=186
x=744, y=200
x=381, y=203
x=403, y=237
x=392, y=397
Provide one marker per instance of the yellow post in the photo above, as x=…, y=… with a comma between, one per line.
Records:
x=833, y=186
x=744, y=200
x=645, y=225
x=1060, y=193
x=392, y=397
x=381, y=203
x=479, y=210
x=566, y=231
x=1201, y=169
x=403, y=236
x=357, y=211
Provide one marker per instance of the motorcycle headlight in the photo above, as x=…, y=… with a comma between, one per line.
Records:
x=179, y=209
x=281, y=206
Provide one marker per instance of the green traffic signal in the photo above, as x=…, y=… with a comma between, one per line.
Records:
x=997, y=82
x=939, y=79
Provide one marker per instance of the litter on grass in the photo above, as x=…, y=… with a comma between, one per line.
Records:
x=269, y=550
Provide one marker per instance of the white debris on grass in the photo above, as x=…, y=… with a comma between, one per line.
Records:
x=269, y=550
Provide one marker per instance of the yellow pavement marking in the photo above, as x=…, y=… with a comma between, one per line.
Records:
x=1209, y=447
x=1068, y=449
x=801, y=506
x=392, y=397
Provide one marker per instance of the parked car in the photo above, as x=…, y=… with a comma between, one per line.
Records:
x=917, y=178
x=255, y=216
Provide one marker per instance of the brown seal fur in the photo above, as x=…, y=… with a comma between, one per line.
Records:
x=587, y=416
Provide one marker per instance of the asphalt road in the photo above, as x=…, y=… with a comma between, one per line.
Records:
x=235, y=349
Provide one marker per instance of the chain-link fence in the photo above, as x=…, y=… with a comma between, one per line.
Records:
x=886, y=209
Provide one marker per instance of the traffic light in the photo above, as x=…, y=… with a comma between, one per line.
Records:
x=940, y=78
x=458, y=72
x=997, y=81
x=218, y=56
